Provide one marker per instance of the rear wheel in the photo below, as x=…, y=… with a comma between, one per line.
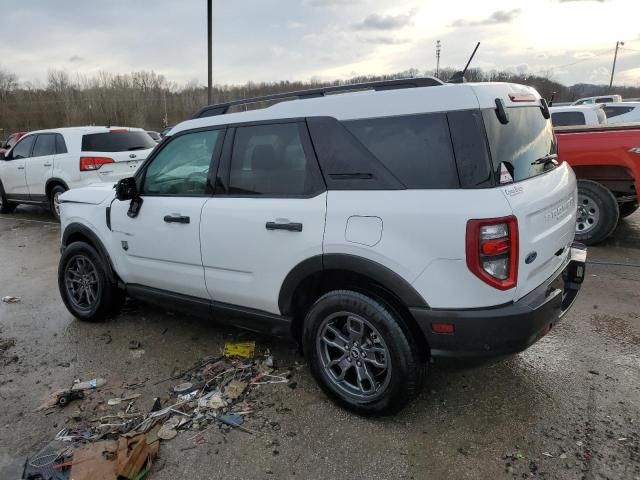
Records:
x=84, y=284
x=598, y=212
x=361, y=354
x=54, y=200
x=627, y=208
x=5, y=205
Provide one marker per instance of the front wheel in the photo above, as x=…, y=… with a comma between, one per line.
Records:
x=5, y=205
x=598, y=212
x=84, y=284
x=360, y=353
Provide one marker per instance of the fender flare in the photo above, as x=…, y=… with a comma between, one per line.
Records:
x=377, y=272
x=78, y=228
x=54, y=180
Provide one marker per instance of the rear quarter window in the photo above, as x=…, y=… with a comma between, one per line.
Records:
x=416, y=149
x=116, y=142
x=564, y=119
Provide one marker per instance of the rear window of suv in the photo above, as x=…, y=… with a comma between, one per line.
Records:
x=116, y=141
x=518, y=144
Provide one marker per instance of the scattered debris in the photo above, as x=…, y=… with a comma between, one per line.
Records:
x=240, y=349
x=547, y=454
x=594, y=372
x=234, y=389
x=138, y=353
x=214, y=393
x=89, y=384
x=66, y=397
x=563, y=455
x=10, y=299
x=134, y=344
x=519, y=456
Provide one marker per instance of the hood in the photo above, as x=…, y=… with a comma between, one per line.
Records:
x=93, y=194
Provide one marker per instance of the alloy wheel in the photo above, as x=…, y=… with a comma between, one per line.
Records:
x=354, y=356
x=56, y=203
x=81, y=282
x=588, y=213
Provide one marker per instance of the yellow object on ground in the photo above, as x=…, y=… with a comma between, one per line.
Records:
x=240, y=349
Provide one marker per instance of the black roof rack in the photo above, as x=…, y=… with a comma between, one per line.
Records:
x=222, y=108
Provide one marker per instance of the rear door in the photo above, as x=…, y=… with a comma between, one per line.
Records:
x=14, y=178
x=39, y=167
x=117, y=153
x=160, y=247
x=543, y=195
x=266, y=216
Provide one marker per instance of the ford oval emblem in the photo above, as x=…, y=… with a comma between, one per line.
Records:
x=531, y=257
x=132, y=155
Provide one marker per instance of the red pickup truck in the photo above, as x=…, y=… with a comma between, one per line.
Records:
x=606, y=160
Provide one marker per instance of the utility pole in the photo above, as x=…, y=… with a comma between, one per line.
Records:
x=615, y=57
x=209, y=64
x=438, y=59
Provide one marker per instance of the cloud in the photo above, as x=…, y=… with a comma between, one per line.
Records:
x=76, y=59
x=375, y=21
x=497, y=17
x=583, y=55
x=381, y=40
x=567, y=1
x=329, y=3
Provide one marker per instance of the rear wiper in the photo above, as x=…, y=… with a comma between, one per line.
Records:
x=551, y=158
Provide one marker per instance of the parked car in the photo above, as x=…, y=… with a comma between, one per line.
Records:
x=578, y=115
x=600, y=99
x=381, y=228
x=11, y=141
x=622, y=112
x=45, y=163
x=606, y=161
x=154, y=135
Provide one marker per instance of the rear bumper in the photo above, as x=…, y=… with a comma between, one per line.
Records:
x=507, y=328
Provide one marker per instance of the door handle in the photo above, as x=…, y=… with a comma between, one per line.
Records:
x=46, y=164
x=290, y=226
x=177, y=219
x=20, y=168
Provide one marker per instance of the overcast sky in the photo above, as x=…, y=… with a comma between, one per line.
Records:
x=258, y=40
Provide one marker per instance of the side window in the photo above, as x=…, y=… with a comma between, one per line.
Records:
x=45, y=145
x=415, y=148
x=615, y=111
x=270, y=160
x=23, y=147
x=182, y=166
x=564, y=119
x=604, y=100
x=61, y=146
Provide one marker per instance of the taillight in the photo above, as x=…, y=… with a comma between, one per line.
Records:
x=492, y=251
x=93, y=163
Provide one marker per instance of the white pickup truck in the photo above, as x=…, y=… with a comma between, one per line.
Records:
x=578, y=115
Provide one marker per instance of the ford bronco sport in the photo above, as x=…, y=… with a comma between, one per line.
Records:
x=379, y=224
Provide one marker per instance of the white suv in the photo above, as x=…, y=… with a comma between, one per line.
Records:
x=46, y=163
x=408, y=220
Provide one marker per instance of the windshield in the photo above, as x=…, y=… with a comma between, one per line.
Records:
x=522, y=144
x=117, y=141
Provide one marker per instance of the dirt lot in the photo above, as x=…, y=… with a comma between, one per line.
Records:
x=567, y=408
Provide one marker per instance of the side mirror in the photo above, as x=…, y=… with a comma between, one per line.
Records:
x=126, y=189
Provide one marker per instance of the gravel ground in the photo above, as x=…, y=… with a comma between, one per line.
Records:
x=567, y=408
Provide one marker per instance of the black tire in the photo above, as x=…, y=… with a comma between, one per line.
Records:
x=88, y=266
x=57, y=190
x=627, y=208
x=384, y=337
x=5, y=205
x=598, y=212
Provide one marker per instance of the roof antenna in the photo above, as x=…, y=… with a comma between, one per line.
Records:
x=458, y=77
